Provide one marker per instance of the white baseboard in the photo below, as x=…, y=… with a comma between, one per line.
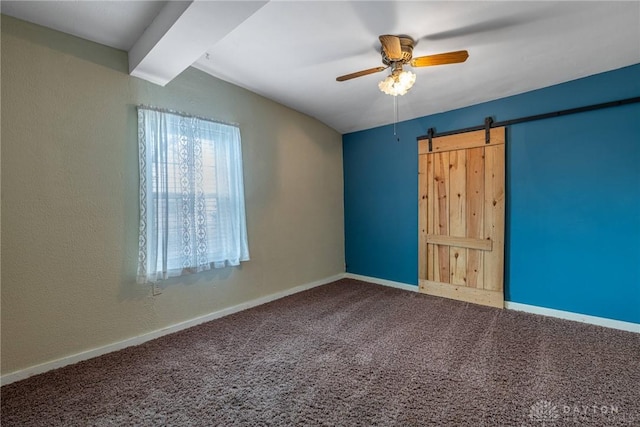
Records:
x=89, y=354
x=567, y=315
x=576, y=317
x=383, y=282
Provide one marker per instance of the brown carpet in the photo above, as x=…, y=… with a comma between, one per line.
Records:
x=349, y=354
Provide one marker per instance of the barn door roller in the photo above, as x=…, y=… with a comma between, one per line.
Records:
x=488, y=121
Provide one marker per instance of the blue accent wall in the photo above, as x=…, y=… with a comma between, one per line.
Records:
x=573, y=197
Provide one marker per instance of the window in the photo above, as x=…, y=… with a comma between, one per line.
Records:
x=192, y=215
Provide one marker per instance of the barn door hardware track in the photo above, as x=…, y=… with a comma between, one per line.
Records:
x=489, y=123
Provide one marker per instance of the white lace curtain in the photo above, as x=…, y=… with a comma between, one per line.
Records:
x=192, y=213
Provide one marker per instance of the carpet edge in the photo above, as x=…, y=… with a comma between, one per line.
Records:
x=576, y=317
x=516, y=306
x=383, y=282
x=140, y=339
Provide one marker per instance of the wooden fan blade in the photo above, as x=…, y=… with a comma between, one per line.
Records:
x=360, y=73
x=440, y=59
x=391, y=47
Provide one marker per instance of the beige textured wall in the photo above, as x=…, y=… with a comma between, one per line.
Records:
x=70, y=198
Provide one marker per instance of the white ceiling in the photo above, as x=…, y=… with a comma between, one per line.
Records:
x=291, y=51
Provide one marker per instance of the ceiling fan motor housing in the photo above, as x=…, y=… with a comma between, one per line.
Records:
x=397, y=51
x=406, y=44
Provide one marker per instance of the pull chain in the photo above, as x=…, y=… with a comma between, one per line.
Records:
x=395, y=118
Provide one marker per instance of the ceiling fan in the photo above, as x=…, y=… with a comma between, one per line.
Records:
x=398, y=51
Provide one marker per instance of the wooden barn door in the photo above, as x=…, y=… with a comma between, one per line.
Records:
x=461, y=222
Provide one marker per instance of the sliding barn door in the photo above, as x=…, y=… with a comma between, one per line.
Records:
x=461, y=222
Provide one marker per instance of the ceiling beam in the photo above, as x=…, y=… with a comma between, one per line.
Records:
x=181, y=33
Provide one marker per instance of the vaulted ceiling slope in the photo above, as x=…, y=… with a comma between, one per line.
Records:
x=292, y=51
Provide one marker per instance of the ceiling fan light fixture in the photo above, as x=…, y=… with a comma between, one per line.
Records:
x=397, y=83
